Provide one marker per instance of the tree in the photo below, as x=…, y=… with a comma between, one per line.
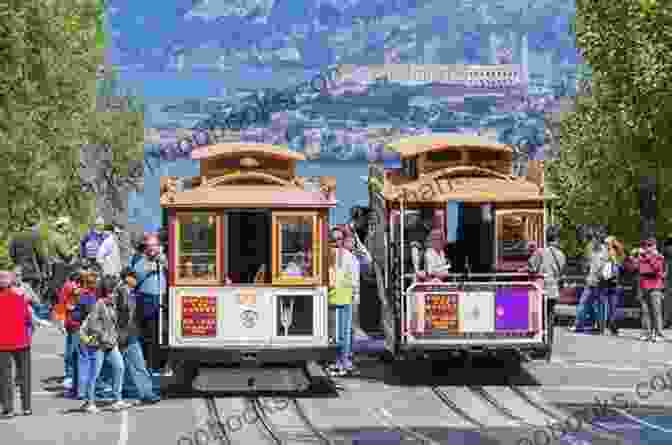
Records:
x=628, y=46
x=616, y=138
x=51, y=52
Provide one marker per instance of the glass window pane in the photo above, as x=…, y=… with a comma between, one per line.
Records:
x=296, y=243
x=197, y=253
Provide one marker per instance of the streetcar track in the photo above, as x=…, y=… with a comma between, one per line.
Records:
x=443, y=397
x=481, y=393
x=265, y=421
x=385, y=419
x=213, y=413
x=275, y=432
x=589, y=427
x=298, y=408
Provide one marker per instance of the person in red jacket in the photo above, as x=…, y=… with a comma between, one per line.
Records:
x=651, y=267
x=67, y=299
x=15, y=341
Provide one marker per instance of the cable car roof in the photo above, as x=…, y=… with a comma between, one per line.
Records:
x=240, y=149
x=467, y=184
x=416, y=145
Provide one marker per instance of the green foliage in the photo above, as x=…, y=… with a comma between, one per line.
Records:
x=621, y=132
x=50, y=51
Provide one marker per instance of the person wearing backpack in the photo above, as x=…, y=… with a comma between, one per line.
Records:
x=651, y=267
x=550, y=262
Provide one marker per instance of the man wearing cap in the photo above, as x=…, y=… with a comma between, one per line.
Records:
x=149, y=270
x=88, y=247
x=651, y=266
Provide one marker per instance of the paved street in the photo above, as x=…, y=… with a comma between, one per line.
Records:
x=584, y=367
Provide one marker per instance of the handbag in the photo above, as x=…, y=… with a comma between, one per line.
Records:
x=608, y=272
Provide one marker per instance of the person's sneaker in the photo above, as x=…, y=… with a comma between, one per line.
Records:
x=660, y=337
x=27, y=412
x=7, y=415
x=120, y=405
x=645, y=337
x=573, y=329
x=90, y=407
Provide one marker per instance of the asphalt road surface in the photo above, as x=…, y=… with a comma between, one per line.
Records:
x=436, y=403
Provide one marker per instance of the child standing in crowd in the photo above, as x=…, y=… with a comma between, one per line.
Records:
x=129, y=338
x=15, y=341
x=99, y=343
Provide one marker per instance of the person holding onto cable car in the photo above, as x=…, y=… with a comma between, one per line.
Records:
x=150, y=273
x=436, y=263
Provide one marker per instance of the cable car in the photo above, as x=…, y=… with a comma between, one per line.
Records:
x=458, y=189
x=246, y=306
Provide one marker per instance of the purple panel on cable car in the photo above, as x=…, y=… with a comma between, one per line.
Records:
x=512, y=309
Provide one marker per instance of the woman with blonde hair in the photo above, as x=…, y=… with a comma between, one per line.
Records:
x=612, y=289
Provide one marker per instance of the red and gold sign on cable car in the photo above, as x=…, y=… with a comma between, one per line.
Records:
x=441, y=312
x=199, y=316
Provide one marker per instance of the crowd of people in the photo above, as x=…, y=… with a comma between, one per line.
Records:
x=106, y=309
x=608, y=268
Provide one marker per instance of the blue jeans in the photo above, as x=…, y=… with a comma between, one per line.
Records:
x=344, y=334
x=71, y=356
x=586, y=311
x=611, y=297
x=91, y=363
x=136, y=370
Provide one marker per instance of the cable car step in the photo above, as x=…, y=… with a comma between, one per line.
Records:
x=251, y=379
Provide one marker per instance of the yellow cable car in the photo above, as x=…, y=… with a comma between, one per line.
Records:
x=247, y=269
x=456, y=191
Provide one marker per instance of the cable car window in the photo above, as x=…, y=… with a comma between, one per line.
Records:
x=196, y=256
x=295, y=245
